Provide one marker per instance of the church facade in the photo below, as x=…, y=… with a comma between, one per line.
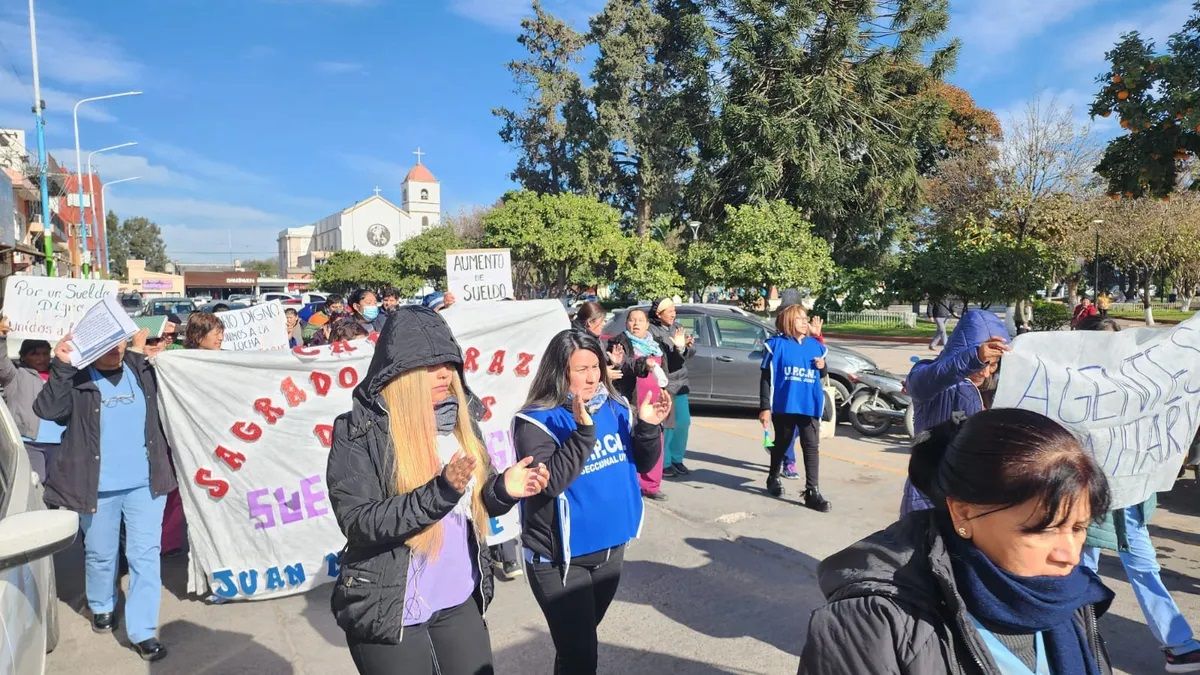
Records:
x=373, y=225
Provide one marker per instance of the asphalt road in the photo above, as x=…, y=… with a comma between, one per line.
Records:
x=722, y=580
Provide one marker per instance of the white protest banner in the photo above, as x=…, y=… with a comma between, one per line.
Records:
x=45, y=308
x=103, y=326
x=479, y=275
x=258, y=328
x=251, y=431
x=1132, y=398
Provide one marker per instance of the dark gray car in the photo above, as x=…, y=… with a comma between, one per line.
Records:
x=729, y=351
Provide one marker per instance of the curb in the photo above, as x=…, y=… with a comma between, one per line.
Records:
x=897, y=339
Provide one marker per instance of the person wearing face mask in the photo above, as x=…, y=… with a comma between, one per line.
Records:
x=989, y=580
x=364, y=306
x=960, y=380
x=113, y=468
x=412, y=488
x=575, y=530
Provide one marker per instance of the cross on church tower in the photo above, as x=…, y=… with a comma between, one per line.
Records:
x=419, y=154
x=377, y=190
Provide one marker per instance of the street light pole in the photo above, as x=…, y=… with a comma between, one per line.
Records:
x=92, y=206
x=104, y=230
x=79, y=168
x=1097, y=222
x=43, y=162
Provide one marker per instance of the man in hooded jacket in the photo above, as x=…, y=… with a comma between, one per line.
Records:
x=954, y=382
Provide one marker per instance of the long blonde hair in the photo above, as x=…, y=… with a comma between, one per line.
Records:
x=413, y=429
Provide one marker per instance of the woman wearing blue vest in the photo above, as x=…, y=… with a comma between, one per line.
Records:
x=576, y=529
x=791, y=397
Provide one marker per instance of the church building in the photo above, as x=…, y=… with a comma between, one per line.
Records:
x=373, y=225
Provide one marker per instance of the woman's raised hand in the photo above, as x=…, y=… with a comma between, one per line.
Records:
x=523, y=480
x=458, y=472
x=655, y=413
x=582, y=418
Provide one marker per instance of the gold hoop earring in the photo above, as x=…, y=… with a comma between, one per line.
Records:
x=962, y=532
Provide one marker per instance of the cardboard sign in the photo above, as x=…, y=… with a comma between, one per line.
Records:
x=45, y=308
x=1132, y=398
x=251, y=433
x=480, y=275
x=258, y=328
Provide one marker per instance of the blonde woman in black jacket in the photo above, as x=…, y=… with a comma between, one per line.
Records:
x=413, y=488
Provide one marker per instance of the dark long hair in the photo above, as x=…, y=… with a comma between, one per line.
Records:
x=1007, y=456
x=550, y=387
x=586, y=312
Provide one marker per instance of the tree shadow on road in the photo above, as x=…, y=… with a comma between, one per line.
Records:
x=750, y=587
x=202, y=650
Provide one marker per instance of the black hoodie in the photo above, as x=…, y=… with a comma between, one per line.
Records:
x=368, y=599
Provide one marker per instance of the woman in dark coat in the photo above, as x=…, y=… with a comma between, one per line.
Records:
x=988, y=581
x=412, y=488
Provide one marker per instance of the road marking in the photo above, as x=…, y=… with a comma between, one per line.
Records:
x=824, y=453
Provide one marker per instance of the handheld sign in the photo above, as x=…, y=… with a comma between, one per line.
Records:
x=258, y=328
x=103, y=326
x=155, y=324
x=45, y=308
x=1132, y=398
x=480, y=275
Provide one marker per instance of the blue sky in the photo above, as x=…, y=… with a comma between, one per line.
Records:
x=264, y=114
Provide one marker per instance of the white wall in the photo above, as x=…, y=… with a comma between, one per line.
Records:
x=418, y=208
x=358, y=221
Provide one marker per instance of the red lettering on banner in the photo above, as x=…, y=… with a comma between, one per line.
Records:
x=347, y=377
x=488, y=402
x=497, y=366
x=470, y=364
x=321, y=382
x=235, y=460
x=324, y=434
x=269, y=412
x=523, y=361
x=215, y=486
x=247, y=431
x=295, y=395
x=342, y=347
x=301, y=350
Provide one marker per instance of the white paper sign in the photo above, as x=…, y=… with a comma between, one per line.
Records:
x=479, y=275
x=103, y=326
x=260, y=524
x=45, y=308
x=258, y=328
x=1133, y=397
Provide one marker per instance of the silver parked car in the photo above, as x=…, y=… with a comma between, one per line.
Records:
x=729, y=351
x=30, y=535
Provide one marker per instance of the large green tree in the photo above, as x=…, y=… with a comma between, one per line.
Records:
x=1156, y=96
x=826, y=105
x=345, y=271
x=762, y=245
x=118, y=248
x=552, y=93
x=648, y=269
x=555, y=240
x=143, y=241
x=423, y=257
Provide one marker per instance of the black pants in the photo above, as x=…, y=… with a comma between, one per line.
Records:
x=574, y=610
x=809, y=429
x=453, y=642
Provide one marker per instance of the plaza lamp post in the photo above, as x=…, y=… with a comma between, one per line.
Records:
x=104, y=230
x=1097, y=222
x=79, y=169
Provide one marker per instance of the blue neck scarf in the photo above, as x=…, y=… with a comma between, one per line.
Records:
x=594, y=403
x=645, y=346
x=1026, y=605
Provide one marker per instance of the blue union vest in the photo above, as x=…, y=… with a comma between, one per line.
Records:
x=602, y=508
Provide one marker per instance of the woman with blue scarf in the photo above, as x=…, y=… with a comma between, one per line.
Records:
x=642, y=376
x=989, y=580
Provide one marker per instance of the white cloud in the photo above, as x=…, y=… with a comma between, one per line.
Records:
x=1157, y=23
x=506, y=15
x=340, y=67
x=116, y=165
x=58, y=103
x=996, y=27
x=70, y=52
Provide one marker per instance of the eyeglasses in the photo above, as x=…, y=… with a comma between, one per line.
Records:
x=119, y=399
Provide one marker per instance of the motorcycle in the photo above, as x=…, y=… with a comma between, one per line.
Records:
x=878, y=401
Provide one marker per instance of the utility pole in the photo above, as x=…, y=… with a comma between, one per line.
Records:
x=43, y=163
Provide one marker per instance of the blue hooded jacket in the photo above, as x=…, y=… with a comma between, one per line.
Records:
x=940, y=388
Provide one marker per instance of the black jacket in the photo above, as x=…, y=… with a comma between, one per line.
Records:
x=541, y=531
x=72, y=399
x=632, y=368
x=894, y=608
x=368, y=598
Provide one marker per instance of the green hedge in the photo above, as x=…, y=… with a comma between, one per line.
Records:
x=1050, y=315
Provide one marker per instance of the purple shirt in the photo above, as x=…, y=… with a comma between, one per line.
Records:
x=449, y=579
